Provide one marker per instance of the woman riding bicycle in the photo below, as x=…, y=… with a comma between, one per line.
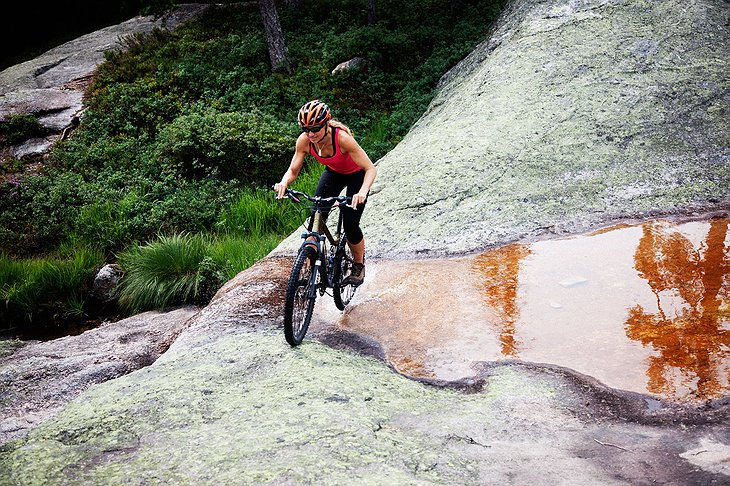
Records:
x=347, y=165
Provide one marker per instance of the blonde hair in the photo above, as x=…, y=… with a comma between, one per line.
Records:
x=339, y=124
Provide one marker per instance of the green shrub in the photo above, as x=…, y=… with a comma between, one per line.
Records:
x=12, y=166
x=135, y=109
x=122, y=214
x=18, y=128
x=103, y=224
x=37, y=211
x=96, y=156
x=137, y=57
x=206, y=143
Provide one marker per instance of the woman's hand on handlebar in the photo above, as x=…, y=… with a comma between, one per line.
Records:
x=280, y=189
x=358, y=199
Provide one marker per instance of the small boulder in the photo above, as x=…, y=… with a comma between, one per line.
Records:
x=106, y=283
x=354, y=64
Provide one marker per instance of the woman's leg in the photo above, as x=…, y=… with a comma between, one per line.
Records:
x=355, y=239
x=358, y=251
x=351, y=218
x=330, y=184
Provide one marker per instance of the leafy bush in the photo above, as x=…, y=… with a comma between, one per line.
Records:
x=248, y=146
x=18, y=128
x=36, y=212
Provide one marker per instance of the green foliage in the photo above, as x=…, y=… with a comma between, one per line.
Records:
x=186, y=268
x=39, y=210
x=18, y=128
x=206, y=143
x=232, y=254
x=186, y=131
x=48, y=288
x=12, y=166
x=136, y=109
x=254, y=213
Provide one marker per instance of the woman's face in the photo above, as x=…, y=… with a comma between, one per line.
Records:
x=316, y=134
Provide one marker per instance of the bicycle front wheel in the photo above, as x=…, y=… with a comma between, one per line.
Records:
x=299, y=304
x=342, y=293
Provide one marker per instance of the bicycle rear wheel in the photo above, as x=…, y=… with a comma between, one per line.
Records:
x=299, y=305
x=343, y=263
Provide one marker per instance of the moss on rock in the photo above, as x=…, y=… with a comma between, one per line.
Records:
x=571, y=115
x=247, y=408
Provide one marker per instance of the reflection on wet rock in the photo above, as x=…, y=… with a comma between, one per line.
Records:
x=500, y=271
x=643, y=308
x=688, y=326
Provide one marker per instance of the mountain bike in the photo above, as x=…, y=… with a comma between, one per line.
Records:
x=317, y=268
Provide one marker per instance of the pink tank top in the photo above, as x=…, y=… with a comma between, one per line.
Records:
x=339, y=162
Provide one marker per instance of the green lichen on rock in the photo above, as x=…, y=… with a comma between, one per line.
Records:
x=571, y=115
x=247, y=408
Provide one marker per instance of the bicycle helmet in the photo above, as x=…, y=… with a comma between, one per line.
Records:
x=313, y=114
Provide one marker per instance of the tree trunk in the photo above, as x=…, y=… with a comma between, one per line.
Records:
x=372, y=14
x=278, y=52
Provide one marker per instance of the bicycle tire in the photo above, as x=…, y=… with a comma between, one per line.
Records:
x=343, y=262
x=298, y=306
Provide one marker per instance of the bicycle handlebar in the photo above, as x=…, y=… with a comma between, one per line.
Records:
x=292, y=194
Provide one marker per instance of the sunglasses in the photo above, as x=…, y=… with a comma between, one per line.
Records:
x=312, y=129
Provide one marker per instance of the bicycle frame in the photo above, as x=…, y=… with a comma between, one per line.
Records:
x=317, y=229
x=318, y=221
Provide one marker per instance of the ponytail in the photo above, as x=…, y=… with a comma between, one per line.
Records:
x=342, y=126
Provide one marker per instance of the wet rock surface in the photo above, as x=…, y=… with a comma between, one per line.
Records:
x=638, y=307
x=231, y=402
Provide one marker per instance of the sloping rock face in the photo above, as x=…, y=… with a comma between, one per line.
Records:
x=51, y=86
x=231, y=403
x=573, y=114
x=39, y=378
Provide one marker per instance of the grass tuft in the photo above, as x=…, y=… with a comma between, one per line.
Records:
x=51, y=287
x=169, y=271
